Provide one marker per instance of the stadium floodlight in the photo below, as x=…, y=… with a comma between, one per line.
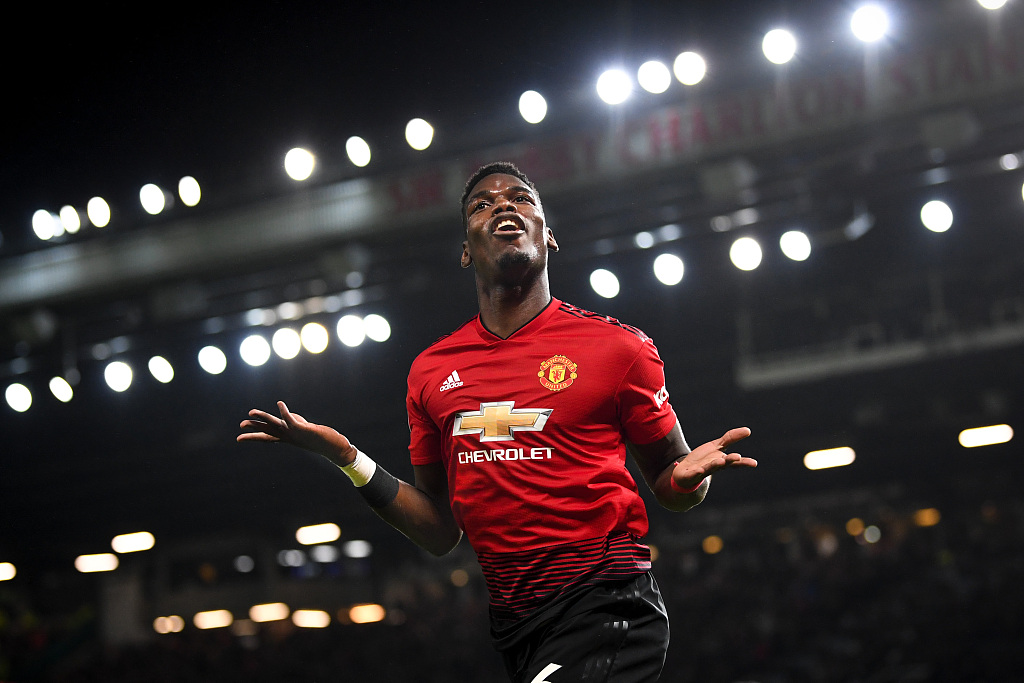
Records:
x=1009, y=162
x=532, y=106
x=654, y=77
x=745, y=253
x=189, y=191
x=311, y=618
x=70, y=219
x=118, y=375
x=318, y=533
x=991, y=4
x=152, y=199
x=98, y=211
x=43, y=224
x=7, y=571
x=314, y=337
x=358, y=151
x=869, y=23
x=937, y=216
x=614, y=86
x=299, y=163
x=689, y=68
x=286, y=343
x=643, y=240
x=419, y=134
x=668, y=268
x=605, y=283
x=133, y=543
x=366, y=613
x=218, y=618
x=357, y=548
x=273, y=611
x=351, y=330
x=254, y=350
x=161, y=369
x=100, y=562
x=19, y=397
x=985, y=436
x=61, y=390
x=779, y=46
x=831, y=457
x=796, y=245
x=377, y=327
x=212, y=360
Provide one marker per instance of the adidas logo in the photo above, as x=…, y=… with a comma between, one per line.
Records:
x=452, y=382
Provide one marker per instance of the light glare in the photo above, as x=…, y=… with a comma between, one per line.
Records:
x=152, y=199
x=161, y=369
x=366, y=614
x=213, y=619
x=358, y=151
x=745, y=253
x=254, y=350
x=311, y=618
x=654, y=77
x=61, y=390
x=98, y=211
x=357, y=548
x=614, y=86
x=101, y=562
x=189, y=191
x=419, y=134
x=299, y=163
x=532, y=106
x=604, y=283
x=118, y=375
x=318, y=533
x=70, y=219
x=779, y=46
x=795, y=245
x=286, y=343
x=351, y=330
x=212, y=360
x=18, y=397
x=985, y=436
x=689, y=68
x=869, y=23
x=831, y=457
x=133, y=543
x=668, y=268
x=314, y=337
x=937, y=216
x=377, y=327
x=43, y=224
x=7, y=571
x=991, y=4
x=273, y=611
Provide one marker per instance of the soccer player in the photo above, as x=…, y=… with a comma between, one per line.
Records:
x=520, y=424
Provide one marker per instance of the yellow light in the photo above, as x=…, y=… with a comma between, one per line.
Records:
x=927, y=517
x=855, y=526
x=318, y=533
x=101, y=562
x=985, y=436
x=831, y=457
x=7, y=571
x=273, y=611
x=218, y=618
x=189, y=191
x=366, y=614
x=712, y=545
x=311, y=618
x=133, y=543
x=314, y=337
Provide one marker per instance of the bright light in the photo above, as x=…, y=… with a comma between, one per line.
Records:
x=795, y=245
x=779, y=46
x=7, y=571
x=605, y=283
x=70, y=219
x=377, y=327
x=324, y=553
x=133, y=543
x=419, y=134
x=869, y=23
x=366, y=614
x=358, y=151
x=61, y=390
x=745, y=253
x=314, y=337
x=712, y=545
x=614, y=86
x=985, y=436
x=286, y=343
x=872, y=534
x=254, y=350
x=311, y=618
x=18, y=397
x=689, y=68
x=855, y=526
x=218, y=618
x=152, y=199
x=291, y=558
x=532, y=106
x=102, y=562
x=299, y=163
x=118, y=375
x=189, y=191
x=644, y=240
x=1009, y=162
x=927, y=517
x=43, y=224
x=654, y=77
x=98, y=211
x=937, y=216
x=831, y=457
x=991, y=4
x=212, y=360
x=357, y=549
x=171, y=624
x=668, y=268
x=351, y=330
x=273, y=611
x=318, y=533
x=161, y=369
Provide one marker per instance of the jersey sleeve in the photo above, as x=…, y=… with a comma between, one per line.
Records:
x=642, y=398
x=425, y=441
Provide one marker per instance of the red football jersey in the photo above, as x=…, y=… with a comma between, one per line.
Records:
x=532, y=429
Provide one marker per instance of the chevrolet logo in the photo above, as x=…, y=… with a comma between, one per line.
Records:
x=499, y=421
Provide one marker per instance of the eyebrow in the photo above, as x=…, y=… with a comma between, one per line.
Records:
x=490, y=193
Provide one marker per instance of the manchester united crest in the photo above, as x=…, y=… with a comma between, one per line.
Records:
x=557, y=373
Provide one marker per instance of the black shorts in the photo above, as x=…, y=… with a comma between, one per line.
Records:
x=614, y=632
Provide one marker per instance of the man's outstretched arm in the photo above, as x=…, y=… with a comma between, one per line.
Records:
x=420, y=511
x=680, y=477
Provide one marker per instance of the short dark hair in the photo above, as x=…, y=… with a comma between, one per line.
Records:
x=493, y=168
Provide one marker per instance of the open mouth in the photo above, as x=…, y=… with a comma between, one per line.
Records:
x=508, y=227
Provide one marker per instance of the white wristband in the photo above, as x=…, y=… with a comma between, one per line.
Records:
x=361, y=469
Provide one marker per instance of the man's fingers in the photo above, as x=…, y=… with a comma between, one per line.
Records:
x=734, y=435
x=256, y=436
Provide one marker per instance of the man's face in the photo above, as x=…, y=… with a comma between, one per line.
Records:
x=505, y=231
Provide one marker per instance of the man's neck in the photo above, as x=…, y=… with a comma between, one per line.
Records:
x=504, y=309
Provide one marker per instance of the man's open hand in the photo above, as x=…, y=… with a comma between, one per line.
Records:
x=293, y=429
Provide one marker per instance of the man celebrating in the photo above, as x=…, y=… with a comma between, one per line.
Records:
x=520, y=423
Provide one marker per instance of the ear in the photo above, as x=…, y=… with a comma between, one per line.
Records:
x=552, y=244
x=466, y=261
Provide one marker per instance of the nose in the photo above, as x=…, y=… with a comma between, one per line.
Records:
x=502, y=205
